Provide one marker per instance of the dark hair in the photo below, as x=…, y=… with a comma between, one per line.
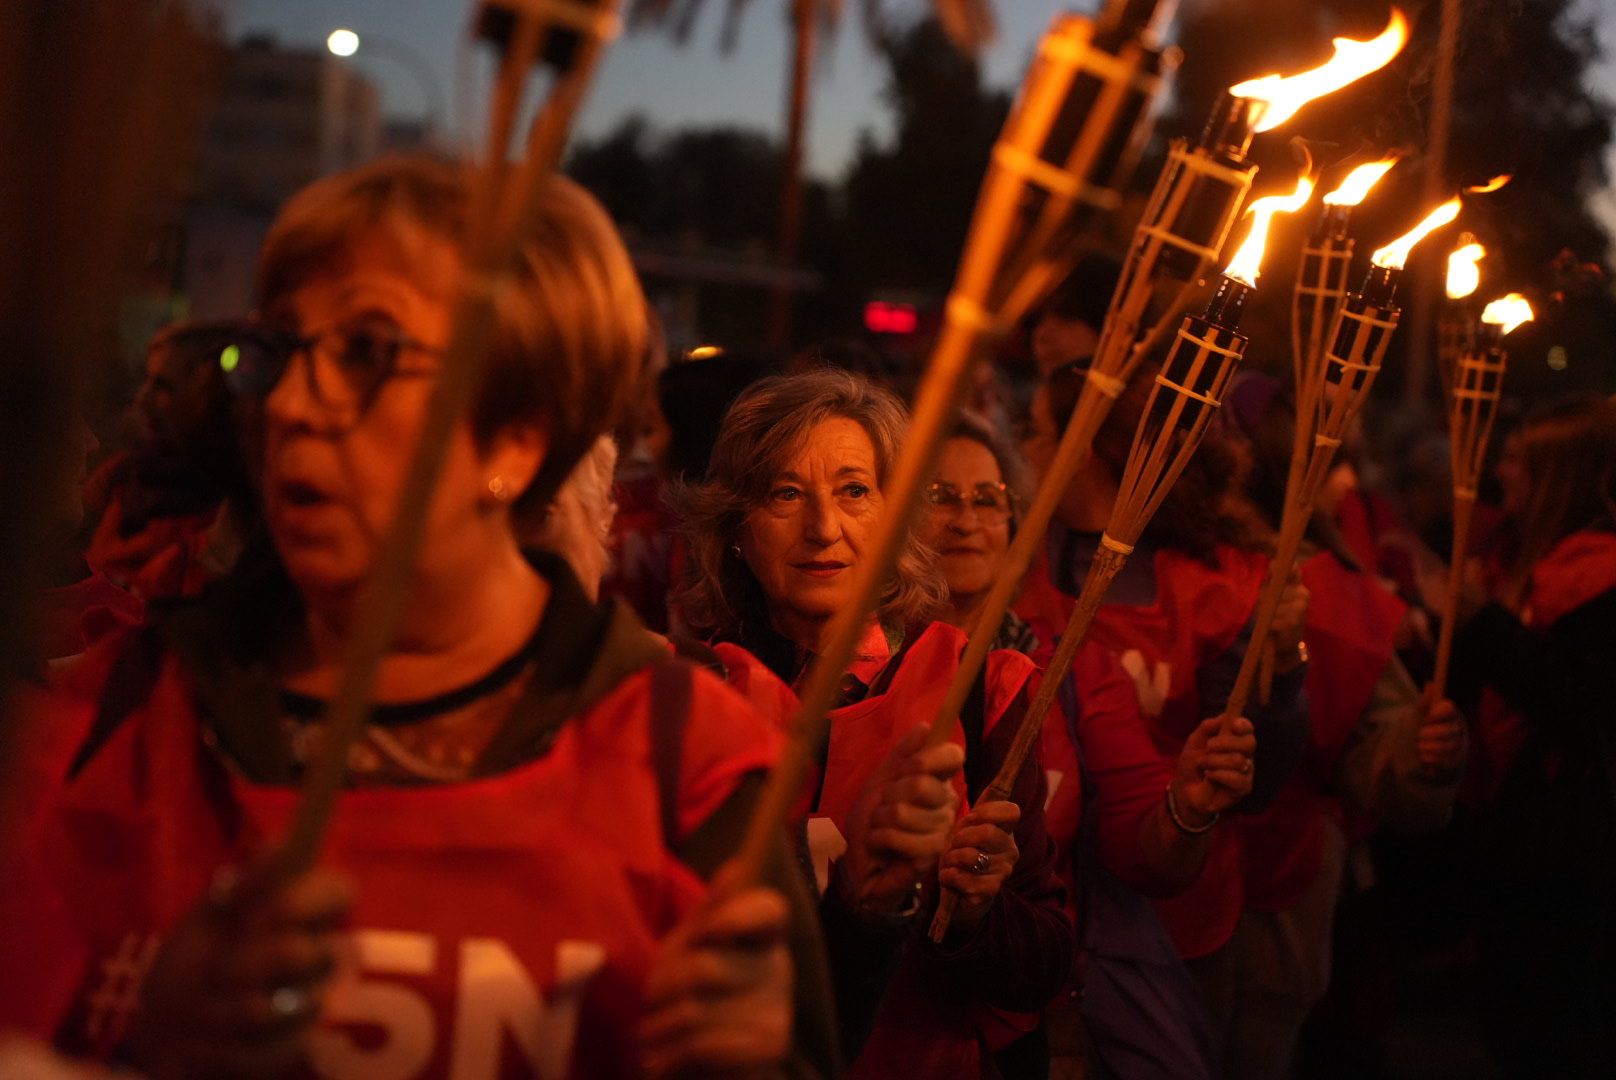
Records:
x=767, y=424
x=694, y=395
x=1568, y=456
x=570, y=325
x=1260, y=413
x=1205, y=508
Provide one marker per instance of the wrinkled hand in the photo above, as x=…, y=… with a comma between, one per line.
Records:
x=239, y=983
x=1214, y=769
x=718, y=1001
x=1290, y=618
x=989, y=829
x=900, y=825
x=1441, y=739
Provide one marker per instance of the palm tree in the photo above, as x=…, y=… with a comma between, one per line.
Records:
x=969, y=23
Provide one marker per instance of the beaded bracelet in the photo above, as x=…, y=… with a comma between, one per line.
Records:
x=1172, y=812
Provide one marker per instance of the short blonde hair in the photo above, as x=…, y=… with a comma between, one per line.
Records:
x=765, y=426
x=571, y=328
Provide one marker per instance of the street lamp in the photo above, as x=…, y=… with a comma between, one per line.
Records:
x=342, y=42
x=345, y=43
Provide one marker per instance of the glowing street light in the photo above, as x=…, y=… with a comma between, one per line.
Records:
x=342, y=42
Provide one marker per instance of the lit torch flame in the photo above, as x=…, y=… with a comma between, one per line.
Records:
x=1463, y=273
x=1247, y=262
x=1355, y=188
x=1283, y=95
x=1395, y=254
x=1508, y=312
x=1490, y=186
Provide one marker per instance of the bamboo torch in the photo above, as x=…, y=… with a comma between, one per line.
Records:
x=1321, y=288
x=1322, y=280
x=1187, y=393
x=1062, y=156
x=1473, y=405
x=1117, y=66
x=1363, y=329
x=1188, y=218
x=569, y=36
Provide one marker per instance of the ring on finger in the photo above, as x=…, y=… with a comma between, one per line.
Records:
x=982, y=863
x=1245, y=766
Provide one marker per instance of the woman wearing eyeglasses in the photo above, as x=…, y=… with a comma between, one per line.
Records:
x=1106, y=808
x=778, y=529
x=972, y=509
x=541, y=793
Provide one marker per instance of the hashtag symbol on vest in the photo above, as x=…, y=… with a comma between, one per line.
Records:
x=114, y=1002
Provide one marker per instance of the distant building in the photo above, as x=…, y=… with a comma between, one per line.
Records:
x=284, y=117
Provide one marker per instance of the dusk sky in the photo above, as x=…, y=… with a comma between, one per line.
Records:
x=646, y=73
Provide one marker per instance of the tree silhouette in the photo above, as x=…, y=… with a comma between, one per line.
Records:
x=969, y=23
x=909, y=204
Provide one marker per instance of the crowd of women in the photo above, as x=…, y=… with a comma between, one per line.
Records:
x=529, y=868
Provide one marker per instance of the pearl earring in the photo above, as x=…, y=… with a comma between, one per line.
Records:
x=499, y=489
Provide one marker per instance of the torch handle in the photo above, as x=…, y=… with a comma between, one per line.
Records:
x=949, y=899
x=1108, y=562
x=1292, y=528
x=1464, y=502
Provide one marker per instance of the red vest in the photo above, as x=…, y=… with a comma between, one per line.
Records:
x=1197, y=615
x=919, y=1032
x=503, y=926
x=1350, y=624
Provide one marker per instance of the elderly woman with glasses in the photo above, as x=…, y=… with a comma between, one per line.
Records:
x=778, y=529
x=1106, y=777
x=540, y=792
x=972, y=510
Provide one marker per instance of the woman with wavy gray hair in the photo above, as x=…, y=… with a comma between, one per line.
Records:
x=777, y=530
x=974, y=505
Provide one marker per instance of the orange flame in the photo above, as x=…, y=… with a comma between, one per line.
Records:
x=1395, y=254
x=1355, y=188
x=1508, y=311
x=1285, y=94
x=1247, y=262
x=1464, y=276
x=1492, y=185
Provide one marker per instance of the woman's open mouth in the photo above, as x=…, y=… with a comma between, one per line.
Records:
x=298, y=493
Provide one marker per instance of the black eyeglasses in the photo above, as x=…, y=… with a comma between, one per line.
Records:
x=358, y=358
x=992, y=502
